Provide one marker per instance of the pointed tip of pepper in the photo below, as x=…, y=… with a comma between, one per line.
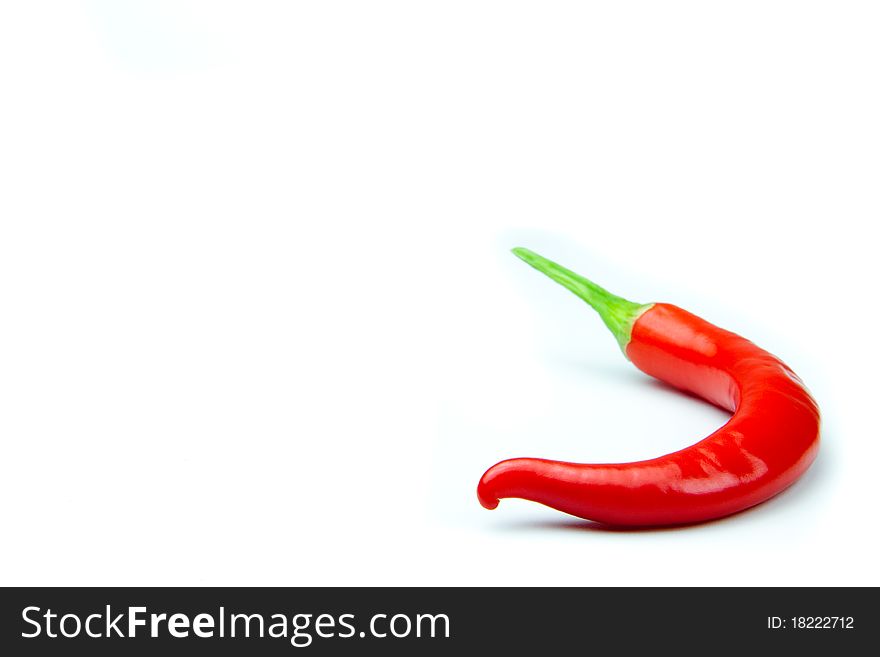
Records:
x=488, y=501
x=487, y=490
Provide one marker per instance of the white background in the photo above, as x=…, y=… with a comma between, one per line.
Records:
x=259, y=323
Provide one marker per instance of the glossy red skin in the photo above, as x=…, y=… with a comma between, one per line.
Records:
x=770, y=441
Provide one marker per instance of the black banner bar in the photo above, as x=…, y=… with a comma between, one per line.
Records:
x=277, y=621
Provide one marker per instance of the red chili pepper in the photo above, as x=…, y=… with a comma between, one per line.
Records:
x=770, y=441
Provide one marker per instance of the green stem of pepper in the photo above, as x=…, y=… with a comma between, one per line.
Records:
x=618, y=313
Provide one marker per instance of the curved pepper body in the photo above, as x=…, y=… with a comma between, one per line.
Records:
x=770, y=441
